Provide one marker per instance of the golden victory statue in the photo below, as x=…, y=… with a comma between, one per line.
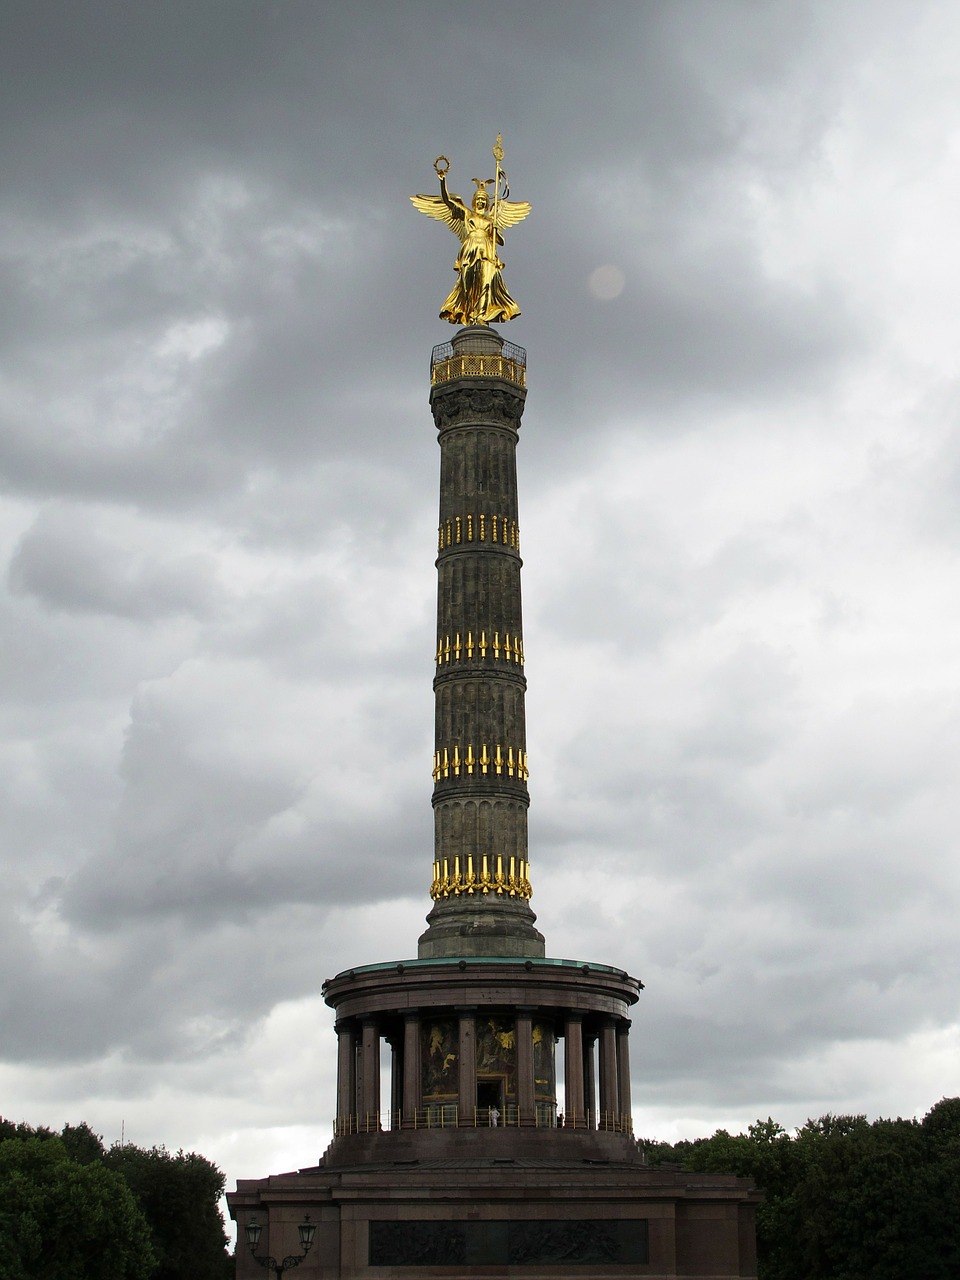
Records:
x=479, y=296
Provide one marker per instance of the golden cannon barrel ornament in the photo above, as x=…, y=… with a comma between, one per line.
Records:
x=479, y=296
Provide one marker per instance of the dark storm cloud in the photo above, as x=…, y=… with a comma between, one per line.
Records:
x=181, y=119
x=67, y=566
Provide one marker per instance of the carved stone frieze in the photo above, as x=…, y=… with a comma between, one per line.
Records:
x=532, y=1243
x=490, y=405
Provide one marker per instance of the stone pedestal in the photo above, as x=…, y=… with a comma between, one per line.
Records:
x=479, y=1210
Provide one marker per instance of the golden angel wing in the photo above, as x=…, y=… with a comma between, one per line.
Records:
x=436, y=207
x=510, y=212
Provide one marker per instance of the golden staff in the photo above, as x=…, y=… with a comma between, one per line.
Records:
x=498, y=156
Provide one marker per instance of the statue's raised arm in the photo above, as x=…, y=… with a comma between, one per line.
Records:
x=444, y=207
x=479, y=296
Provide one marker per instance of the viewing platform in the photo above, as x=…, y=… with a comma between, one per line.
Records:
x=474, y=353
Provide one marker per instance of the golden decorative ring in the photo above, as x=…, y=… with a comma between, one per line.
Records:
x=441, y=173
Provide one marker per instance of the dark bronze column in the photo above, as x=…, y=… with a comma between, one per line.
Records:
x=623, y=1072
x=481, y=881
x=573, y=1070
x=467, y=1067
x=526, y=1085
x=411, y=1066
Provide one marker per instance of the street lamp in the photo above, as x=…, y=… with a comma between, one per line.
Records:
x=307, y=1230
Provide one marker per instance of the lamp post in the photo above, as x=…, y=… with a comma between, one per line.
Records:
x=307, y=1231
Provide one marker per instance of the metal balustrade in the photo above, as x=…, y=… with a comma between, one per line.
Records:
x=446, y=1115
x=510, y=364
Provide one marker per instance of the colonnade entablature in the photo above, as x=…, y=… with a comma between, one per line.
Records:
x=473, y=1045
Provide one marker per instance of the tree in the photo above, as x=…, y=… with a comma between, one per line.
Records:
x=845, y=1199
x=179, y=1194
x=60, y=1220
x=82, y=1144
x=938, y=1223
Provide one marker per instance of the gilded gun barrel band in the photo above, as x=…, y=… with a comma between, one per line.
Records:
x=500, y=875
x=484, y=762
x=457, y=530
x=456, y=648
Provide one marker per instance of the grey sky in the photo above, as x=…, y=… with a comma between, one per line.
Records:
x=218, y=480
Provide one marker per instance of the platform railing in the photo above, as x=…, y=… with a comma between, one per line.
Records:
x=604, y=1121
x=509, y=365
x=447, y=1115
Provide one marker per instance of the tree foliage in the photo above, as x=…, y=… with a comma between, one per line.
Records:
x=845, y=1199
x=72, y=1210
x=60, y=1220
x=179, y=1195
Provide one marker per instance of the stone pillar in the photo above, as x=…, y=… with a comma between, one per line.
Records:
x=609, y=1087
x=370, y=1076
x=346, y=1076
x=623, y=1072
x=396, y=1081
x=590, y=1080
x=573, y=1070
x=467, y=1067
x=411, y=1067
x=480, y=797
x=526, y=1086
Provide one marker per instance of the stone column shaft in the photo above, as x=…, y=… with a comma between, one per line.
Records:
x=346, y=1076
x=396, y=1081
x=590, y=1079
x=481, y=883
x=609, y=1086
x=467, y=1066
x=526, y=1085
x=370, y=1075
x=411, y=1067
x=573, y=1070
x=623, y=1071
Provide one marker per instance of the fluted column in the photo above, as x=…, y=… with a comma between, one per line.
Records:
x=573, y=1069
x=481, y=883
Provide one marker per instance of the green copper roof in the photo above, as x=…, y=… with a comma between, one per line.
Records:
x=482, y=960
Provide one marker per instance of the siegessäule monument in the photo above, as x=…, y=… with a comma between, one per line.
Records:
x=469, y=1164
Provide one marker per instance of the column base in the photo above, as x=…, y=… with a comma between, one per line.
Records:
x=472, y=927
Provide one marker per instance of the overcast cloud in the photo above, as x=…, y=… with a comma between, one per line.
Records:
x=740, y=470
